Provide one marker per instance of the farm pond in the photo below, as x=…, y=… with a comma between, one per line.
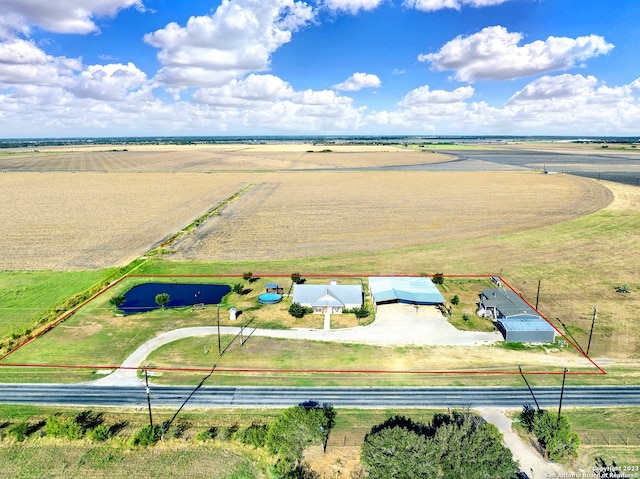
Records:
x=142, y=298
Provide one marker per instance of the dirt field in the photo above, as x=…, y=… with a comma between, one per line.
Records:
x=72, y=217
x=296, y=215
x=207, y=158
x=69, y=221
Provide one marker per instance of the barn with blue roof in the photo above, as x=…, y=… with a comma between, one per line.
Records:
x=404, y=289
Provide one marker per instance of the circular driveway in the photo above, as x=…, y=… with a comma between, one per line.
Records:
x=396, y=324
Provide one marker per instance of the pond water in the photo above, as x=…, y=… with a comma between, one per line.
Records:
x=142, y=298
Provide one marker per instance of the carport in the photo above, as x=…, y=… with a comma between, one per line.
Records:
x=404, y=289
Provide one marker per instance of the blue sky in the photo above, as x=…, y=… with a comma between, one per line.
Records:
x=325, y=67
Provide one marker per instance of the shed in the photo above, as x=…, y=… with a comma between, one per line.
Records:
x=404, y=289
x=526, y=329
x=273, y=288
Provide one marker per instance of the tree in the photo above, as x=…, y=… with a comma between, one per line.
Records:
x=455, y=300
x=162, y=299
x=552, y=432
x=398, y=449
x=460, y=445
x=238, y=288
x=438, y=278
x=470, y=447
x=247, y=276
x=117, y=301
x=294, y=430
x=297, y=310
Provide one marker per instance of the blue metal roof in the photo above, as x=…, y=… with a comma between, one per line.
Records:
x=417, y=290
x=526, y=323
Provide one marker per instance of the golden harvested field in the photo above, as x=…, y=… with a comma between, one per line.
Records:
x=207, y=158
x=72, y=221
x=67, y=213
x=309, y=214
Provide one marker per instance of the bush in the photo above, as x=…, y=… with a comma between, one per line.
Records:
x=19, y=431
x=146, y=436
x=455, y=300
x=552, y=432
x=361, y=312
x=297, y=310
x=100, y=433
x=207, y=434
x=227, y=433
x=254, y=435
x=68, y=428
x=438, y=278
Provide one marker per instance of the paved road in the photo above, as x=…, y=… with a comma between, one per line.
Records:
x=368, y=397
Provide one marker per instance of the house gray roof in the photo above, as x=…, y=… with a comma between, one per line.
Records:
x=507, y=302
x=328, y=295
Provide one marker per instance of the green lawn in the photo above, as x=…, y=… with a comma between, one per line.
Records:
x=27, y=296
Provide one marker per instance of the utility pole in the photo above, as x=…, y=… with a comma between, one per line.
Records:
x=146, y=380
x=564, y=377
x=538, y=295
x=593, y=322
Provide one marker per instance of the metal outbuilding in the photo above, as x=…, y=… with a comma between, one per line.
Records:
x=404, y=289
x=518, y=322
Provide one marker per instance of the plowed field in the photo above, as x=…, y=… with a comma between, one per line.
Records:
x=95, y=207
x=310, y=214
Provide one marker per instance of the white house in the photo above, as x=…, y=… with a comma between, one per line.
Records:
x=332, y=298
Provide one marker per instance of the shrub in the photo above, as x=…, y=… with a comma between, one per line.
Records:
x=19, y=431
x=297, y=310
x=146, y=436
x=100, y=433
x=455, y=300
x=207, y=434
x=227, y=433
x=438, y=278
x=254, y=435
x=59, y=426
x=361, y=312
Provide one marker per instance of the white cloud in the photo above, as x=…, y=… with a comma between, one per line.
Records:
x=61, y=16
x=352, y=6
x=251, y=90
x=424, y=96
x=358, y=81
x=552, y=105
x=493, y=53
x=22, y=62
x=111, y=82
x=433, y=5
x=238, y=38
